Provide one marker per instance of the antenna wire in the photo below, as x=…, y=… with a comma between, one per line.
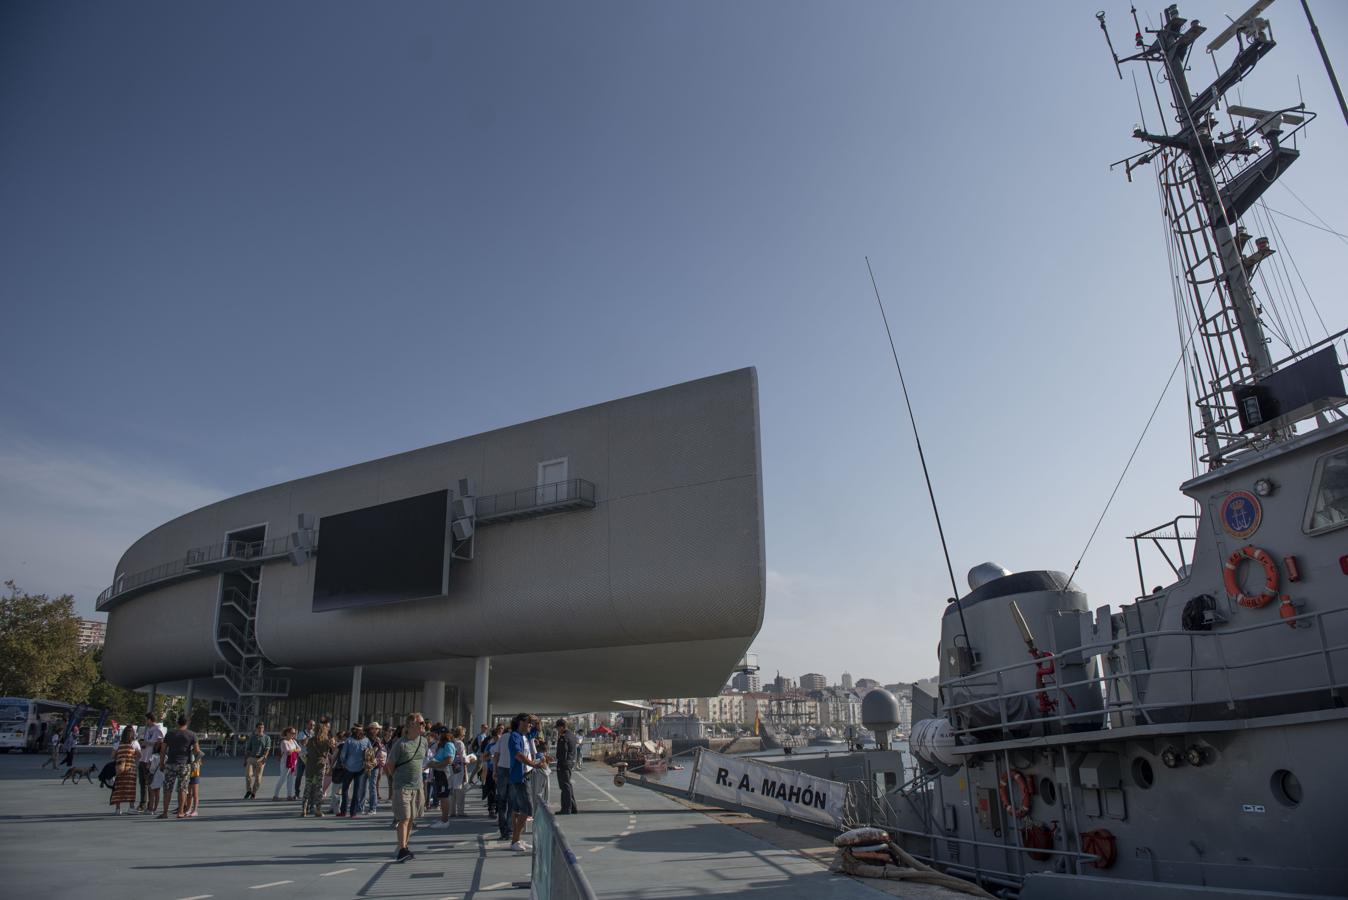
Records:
x=955, y=597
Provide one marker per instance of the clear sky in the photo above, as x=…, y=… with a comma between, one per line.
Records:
x=245, y=242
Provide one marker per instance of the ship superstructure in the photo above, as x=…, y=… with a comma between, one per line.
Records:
x=1190, y=741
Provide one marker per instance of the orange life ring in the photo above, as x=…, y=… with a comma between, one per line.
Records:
x=1004, y=793
x=1231, y=580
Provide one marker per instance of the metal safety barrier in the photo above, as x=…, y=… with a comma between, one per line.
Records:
x=556, y=871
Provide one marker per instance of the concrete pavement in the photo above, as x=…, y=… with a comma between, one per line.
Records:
x=632, y=843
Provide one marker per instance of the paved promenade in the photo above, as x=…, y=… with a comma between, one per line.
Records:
x=632, y=843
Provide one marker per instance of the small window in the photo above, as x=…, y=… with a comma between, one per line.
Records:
x=1329, y=494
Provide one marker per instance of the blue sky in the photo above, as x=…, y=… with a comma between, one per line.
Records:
x=245, y=242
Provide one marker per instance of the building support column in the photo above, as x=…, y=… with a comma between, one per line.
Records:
x=187, y=704
x=481, y=709
x=433, y=701
x=355, y=697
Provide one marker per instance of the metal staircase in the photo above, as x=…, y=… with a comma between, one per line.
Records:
x=241, y=666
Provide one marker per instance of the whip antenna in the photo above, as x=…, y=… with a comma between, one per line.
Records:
x=955, y=597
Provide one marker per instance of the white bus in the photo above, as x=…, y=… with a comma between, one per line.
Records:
x=25, y=724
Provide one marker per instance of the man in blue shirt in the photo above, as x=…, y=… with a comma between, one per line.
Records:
x=352, y=759
x=521, y=760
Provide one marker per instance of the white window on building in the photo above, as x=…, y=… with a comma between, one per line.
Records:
x=552, y=483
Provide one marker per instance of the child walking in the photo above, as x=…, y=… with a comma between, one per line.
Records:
x=194, y=783
x=156, y=776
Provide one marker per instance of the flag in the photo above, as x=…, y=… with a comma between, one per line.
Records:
x=73, y=721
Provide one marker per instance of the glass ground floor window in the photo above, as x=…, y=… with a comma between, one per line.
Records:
x=388, y=708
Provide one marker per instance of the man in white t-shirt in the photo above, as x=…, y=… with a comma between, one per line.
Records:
x=151, y=733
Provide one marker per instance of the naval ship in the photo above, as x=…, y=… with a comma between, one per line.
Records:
x=1194, y=741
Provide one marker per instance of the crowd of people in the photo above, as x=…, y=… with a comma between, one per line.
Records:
x=415, y=768
x=160, y=762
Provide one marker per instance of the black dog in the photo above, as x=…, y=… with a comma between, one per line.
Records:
x=73, y=775
x=107, y=775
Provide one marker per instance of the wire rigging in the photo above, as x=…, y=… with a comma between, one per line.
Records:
x=1131, y=456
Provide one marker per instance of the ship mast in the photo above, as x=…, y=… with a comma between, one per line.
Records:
x=1194, y=139
x=1209, y=179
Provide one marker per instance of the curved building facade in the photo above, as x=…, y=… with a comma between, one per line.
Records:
x=611, y=552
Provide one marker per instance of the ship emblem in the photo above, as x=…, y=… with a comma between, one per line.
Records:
x=1241, y=514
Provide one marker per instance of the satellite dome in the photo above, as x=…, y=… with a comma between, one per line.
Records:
x=982, y=573
x=879, y=710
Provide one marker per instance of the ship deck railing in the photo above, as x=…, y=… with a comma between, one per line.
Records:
x=1107, y=683
x=1172, y=535
x=976, y=870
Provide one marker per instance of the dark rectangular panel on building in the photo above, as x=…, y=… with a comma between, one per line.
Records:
x=382, y=554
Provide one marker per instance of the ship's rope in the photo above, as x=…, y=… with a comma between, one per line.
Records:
x=1324, y=226
x=1182, y=324
x=1131, y=456
x=1291, y=258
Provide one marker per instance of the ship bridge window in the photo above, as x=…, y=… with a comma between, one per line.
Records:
x=1329, y=494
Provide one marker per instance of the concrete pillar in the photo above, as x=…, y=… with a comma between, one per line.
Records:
x=481, y=709
x=355, y=697
x=433, y=701
x=187, y=704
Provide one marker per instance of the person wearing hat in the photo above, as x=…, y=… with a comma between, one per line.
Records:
x=378, y=754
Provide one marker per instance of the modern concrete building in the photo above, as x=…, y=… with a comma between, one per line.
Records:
x=839, y=707
x=813, y=681
x=567, y=563
x=91, y=633
x=747, y=682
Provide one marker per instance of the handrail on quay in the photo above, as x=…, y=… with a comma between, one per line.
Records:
x=557, y=874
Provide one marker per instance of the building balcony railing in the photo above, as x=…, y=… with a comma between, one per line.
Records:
x=541, y=500
x=222, y=557
x=544, y=499
x=230, y=555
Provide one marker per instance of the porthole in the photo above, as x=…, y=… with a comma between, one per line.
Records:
x=1286, y=788
x=1142, y=774
x=1047, y=790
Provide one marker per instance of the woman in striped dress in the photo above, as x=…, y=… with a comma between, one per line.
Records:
x=124, y=787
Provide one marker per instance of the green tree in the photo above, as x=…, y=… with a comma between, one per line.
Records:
x=124, y=705
x=39, y=647
x=75, y=681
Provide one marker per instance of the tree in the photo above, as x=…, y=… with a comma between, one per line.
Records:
x=124, y=705
x=39, y=647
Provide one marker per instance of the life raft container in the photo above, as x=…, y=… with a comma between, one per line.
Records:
x=1231, y=577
